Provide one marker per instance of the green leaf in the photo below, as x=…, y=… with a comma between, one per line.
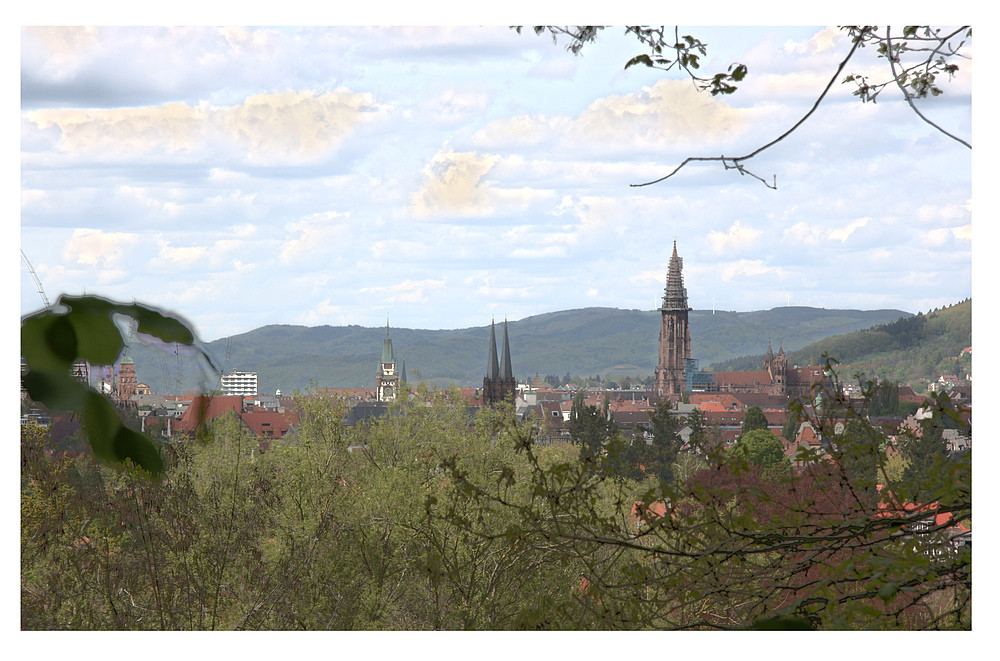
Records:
x=130, y=444
x=60, y=337
x=100, y=420
x=55, y=389
x=99, y=341
x=153, y=322
x=35, y=345
x=639, y=59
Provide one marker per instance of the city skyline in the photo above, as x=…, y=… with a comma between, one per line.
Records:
x=441, y=177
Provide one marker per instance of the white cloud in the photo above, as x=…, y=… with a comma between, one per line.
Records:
x=521, y=131
x=803, y=233
x=455, y=105
x=936, y=238
x=455, y=185
x=843, y=233
x=748, y=268
x=278, y=126
x=98, y=248
x=540, y=252
x=408, y=291
x=738, y=237
x=322, y=313
x=452, y=185
x=668, y=114
x=315, y=235
x=182, y=255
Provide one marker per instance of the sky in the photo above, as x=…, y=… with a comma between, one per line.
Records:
x=441, y=177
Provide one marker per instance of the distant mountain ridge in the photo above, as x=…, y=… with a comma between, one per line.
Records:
x=907, y=350
x=607, y=341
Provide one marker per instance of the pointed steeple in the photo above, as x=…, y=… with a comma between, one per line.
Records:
x=674, y=294
x=387, y=346
x=386, y=377
x=506, y=371
x=492, y=366
x=770, y=354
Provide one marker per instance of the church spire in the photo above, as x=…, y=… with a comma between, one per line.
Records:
x=492, y=366
x=506, y=371
x=387, y=346
x=675, y=294
x=670, y=379
x=499, y=384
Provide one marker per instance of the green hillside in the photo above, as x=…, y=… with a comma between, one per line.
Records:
x=908, y=350
x=585, y=342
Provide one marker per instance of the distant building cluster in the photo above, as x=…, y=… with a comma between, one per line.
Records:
x=721, y=397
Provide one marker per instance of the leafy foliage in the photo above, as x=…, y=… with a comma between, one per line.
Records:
x=84, y=328
x=432, y=518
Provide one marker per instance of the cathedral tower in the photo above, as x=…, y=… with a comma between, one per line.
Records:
x=499, y=383
x=675, y=336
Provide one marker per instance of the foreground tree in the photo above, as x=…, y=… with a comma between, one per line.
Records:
x=738, y=547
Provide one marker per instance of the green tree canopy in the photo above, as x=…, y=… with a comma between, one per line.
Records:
x=591, y=428
x=656, y=458
x=754, y=419
x=762, y=449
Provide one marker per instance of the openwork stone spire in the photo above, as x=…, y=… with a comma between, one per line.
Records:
x=675, y=335
x=675, y=295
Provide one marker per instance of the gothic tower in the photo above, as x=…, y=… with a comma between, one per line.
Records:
x=675, y=336
x=386, y=378
x=499, y=383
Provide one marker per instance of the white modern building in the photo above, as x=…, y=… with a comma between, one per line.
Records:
x=240, y=383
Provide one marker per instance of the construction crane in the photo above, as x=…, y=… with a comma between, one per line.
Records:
x=34, y=276
x=81, y=368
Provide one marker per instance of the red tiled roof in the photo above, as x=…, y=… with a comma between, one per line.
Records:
x=941, y=519
x=268, y=423
x=648, y=512
x=742, y=378
x=203, y=409
x=725, y=400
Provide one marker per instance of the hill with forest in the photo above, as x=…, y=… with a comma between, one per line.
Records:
x=908, y=350
x=606, y=342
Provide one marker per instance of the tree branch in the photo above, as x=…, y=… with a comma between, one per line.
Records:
x=737, y=161
x=906, y=95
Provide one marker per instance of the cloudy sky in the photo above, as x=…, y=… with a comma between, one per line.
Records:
x=441, y=177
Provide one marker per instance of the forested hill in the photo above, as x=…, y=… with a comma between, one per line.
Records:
x=585, y=342
x=923, y=346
